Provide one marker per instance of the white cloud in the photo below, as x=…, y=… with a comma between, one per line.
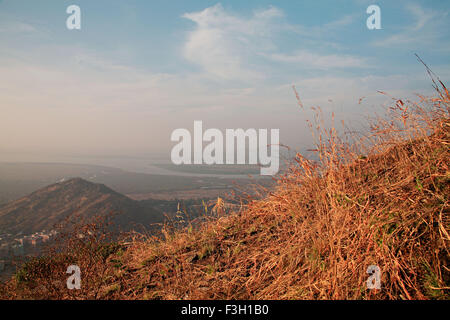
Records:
x=308, y=59
x=17, y=27
x=222, y=43
x=421, y=15
x=227, y=46
x=424, y=30
x=318, y=32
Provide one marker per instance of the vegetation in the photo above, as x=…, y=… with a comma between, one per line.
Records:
x=381, y=199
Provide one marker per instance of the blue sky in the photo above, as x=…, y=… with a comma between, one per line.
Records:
x=139, y=69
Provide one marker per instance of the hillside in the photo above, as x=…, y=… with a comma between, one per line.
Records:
x=43, y=209
x=381, y=200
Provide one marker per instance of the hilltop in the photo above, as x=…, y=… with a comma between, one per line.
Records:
x=51, y=205
x=376, y=201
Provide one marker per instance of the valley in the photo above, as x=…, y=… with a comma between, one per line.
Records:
x=38, y=199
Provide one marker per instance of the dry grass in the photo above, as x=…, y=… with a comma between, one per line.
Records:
x=379, y=200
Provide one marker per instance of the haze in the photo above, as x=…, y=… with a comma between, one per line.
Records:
x=136, y=71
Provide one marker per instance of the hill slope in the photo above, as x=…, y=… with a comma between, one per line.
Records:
x=315, y=236
x=48, y=206
x=383, y=205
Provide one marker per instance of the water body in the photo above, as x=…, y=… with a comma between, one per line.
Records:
x=138, y=164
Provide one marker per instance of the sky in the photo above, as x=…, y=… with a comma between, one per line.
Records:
x=137, y=70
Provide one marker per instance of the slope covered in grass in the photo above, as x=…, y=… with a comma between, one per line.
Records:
x=379, y=200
